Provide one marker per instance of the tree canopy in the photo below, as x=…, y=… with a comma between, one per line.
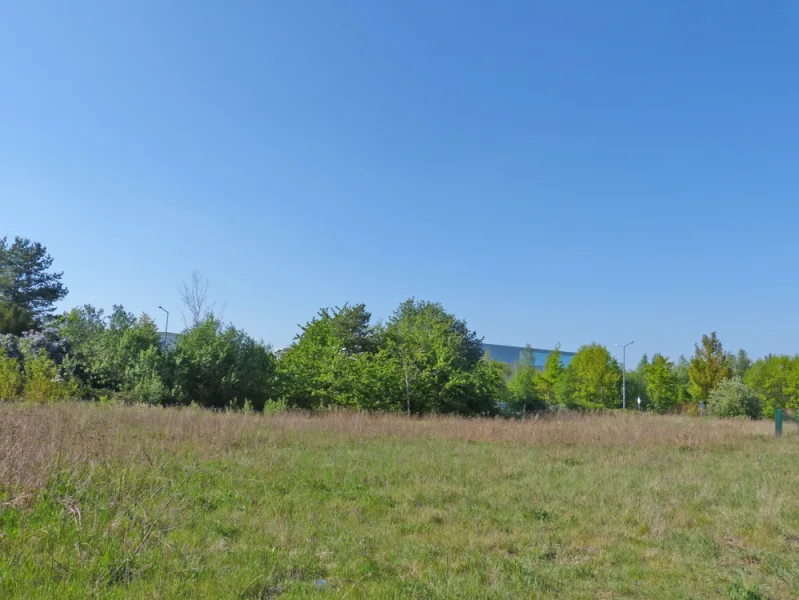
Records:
x=422, y=360
x=661, y=384
x=708, y=367
x=28, y=289
x=597, y=377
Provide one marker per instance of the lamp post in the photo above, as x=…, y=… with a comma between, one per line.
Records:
x=166, y=328
x=624, y=372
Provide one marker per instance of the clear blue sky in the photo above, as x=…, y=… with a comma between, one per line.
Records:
x=550, y=171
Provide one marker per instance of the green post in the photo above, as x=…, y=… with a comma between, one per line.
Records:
x=778, y=421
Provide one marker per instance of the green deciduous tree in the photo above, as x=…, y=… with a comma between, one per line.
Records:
x=636, y=383
x=683, y=379
x=662, y=388
x=104, y=349
x=220, y=366
x=440, y=361
x=26, y=281
x=643, y=365
x=741, y=363
x=775, y=378
x=596, y=377
x=329, y=360
x=548, y=378
x=523, y=384
x=708, y=367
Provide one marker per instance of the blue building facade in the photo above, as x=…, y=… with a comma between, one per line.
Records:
x=513, y=354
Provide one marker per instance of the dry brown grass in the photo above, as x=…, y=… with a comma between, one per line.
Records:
x=39, y=440
x=574, y=429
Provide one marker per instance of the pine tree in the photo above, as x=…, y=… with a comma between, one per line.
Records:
x=25, y=280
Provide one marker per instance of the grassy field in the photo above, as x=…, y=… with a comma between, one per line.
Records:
x=120, y=502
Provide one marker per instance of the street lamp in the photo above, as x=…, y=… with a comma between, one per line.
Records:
x=624, y=372
x=166, y=329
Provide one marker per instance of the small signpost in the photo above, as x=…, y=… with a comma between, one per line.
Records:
x=639, y=403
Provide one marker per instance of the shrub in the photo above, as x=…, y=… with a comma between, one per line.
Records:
x=219, y=366
x=10, y=378
x=275, y=407
x=42, y=383
x=733, y=398
x=144, y=378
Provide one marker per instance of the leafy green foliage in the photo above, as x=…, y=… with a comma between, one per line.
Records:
x=439, y=361
x=596, y=378
x=329, y=359
x=42, y=382
x=212, y=365
x=147, y=376
x=662, y=389
x=14, y=319
x=104, y=351
x=741, y=363
x=11, y=380
x=709, y=366
x=683, y=379
x=523, y=386
x=733, y=398
x=565, y=388
x=775, y=378
x=28, y=290
x=424, y=360
x=220, y=366
x=637, y=383
x=547, y=380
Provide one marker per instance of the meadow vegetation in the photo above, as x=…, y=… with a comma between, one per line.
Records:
x=115, y=501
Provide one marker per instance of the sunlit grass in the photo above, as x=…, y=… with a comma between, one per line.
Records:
x=138, y=502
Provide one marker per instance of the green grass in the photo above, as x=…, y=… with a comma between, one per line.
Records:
x=183, y=504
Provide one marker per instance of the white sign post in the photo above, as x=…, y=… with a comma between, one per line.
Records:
x=639, y=403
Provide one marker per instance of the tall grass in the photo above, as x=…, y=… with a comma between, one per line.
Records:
x=136, y=501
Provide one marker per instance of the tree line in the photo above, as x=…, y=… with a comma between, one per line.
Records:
x=422, y=360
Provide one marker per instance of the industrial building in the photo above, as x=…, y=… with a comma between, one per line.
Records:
x=513, y=354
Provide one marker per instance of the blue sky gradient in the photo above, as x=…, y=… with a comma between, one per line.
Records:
x=552, y=172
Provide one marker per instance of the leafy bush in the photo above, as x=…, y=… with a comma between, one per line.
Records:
x=10, y=378
x=220, y=367
x=593, y=379
x=103, y=349
x=275, y=407
x=42, y=382
x=733, y=398
x=145, y=377
x=661, y=387
x=523, y=385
